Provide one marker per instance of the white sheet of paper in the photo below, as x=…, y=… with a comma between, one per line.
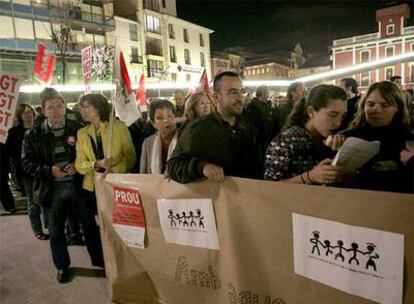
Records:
x=374, y=271
x=355, y=153
x=188, y=222
x=132, y=236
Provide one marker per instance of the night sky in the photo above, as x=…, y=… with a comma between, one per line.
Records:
x=274, y=24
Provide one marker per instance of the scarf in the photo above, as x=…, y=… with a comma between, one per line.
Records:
x=156, y=164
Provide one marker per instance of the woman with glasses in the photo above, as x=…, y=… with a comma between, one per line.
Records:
x=157, y=149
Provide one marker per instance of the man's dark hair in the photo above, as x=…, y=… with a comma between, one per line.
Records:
x=395, y=77
x=179, y=91
x=293, y=87
x=48, y=94
x=159, y=104
x=351, y=82
x=261, y=91
x=100, y=103
x=219, y=77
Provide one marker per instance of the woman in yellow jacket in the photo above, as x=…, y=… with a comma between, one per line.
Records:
x=92, y=143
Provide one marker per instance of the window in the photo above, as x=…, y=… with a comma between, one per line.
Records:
x=133, y=33
x=390, y=29
x=412, y=73
x=201, y=40
x=163, y=4
x=389, y=52
x=365, y=79
x=173, y=77
x=188, y=77
x=388, y=72
x=135, y=57
x=153, y=46
x=152, y=5
x=155, y=68
x=187, y=58
x=263, y=70
x=171, y=32
x=152, y=24
x=185, y=33
x=202, y=60
x=173, y=57
x=412, y=47
x=364, y=56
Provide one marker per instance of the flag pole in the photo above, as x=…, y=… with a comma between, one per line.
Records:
x=112, y=116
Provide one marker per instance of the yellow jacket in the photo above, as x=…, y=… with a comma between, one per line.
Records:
x=123, y=151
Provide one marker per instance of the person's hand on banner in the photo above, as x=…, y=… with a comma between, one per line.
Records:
x=324, y=173
x=57, y=172
x=213, y=173
x=70, y=169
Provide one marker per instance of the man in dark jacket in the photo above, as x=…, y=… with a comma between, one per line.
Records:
x=350, y=86
x=295, y=93
x=221, y=143
x=48, y=156
x=260, y=113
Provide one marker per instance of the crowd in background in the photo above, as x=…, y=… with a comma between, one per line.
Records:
x=56, y=153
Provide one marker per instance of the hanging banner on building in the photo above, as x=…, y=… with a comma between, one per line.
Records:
x=256, y=260
x=44, y=64
x=9, y=93
x=360, y=261
x=128, y=217
x=86, y=54
x=188, y=222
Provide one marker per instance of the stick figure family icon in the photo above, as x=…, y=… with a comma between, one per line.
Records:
x=186, y=219
x=353, y=252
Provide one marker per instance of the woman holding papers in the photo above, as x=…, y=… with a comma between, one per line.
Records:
x=298, y=154
x=381, y=116
x=157, y=149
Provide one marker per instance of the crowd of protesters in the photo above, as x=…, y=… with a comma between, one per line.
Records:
x=57, y=154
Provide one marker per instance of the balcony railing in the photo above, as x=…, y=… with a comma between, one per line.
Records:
x=409, y=30
x=351, y=40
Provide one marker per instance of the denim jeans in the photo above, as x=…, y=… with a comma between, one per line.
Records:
x=65, y=198
x=33, y=209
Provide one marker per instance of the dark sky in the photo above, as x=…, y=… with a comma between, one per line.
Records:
x=275, y=24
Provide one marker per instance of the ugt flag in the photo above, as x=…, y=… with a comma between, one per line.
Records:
x=125, y=103
x=44, y=64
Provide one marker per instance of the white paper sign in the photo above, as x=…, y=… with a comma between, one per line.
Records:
x=360, y=261
x=188, y=222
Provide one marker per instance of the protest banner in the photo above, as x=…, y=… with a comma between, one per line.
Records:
x=9, y=92
x=44, y=64
x=86, y=54
x=266, y=238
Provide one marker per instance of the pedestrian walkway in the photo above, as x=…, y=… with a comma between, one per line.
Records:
x=27, y=274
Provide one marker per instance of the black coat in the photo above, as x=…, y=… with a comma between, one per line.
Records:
x=210, y=139
x=38, y=157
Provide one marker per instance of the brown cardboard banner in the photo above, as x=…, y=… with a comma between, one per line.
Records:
x=254, y=223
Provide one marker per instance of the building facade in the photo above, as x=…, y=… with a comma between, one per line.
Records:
x=394, y=37
x=173, y=49
x=23, y=23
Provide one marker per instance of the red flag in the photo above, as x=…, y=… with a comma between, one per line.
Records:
x=126, y=104
x=203, y=84
x=86, y=55
x=45, y=64
x=141, y=95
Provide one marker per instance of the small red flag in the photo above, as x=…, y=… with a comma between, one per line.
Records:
x=141, y=95
x=45, y=64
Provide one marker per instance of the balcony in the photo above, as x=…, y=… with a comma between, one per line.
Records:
x=355, y=39
x=79, y=19
x=409, y=30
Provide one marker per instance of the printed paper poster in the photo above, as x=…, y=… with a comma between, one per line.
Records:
x=360, y=261
x=9, y=92
x=188, y=222
x=128, y=216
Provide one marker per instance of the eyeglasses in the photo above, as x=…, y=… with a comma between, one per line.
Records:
x=236, y=94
